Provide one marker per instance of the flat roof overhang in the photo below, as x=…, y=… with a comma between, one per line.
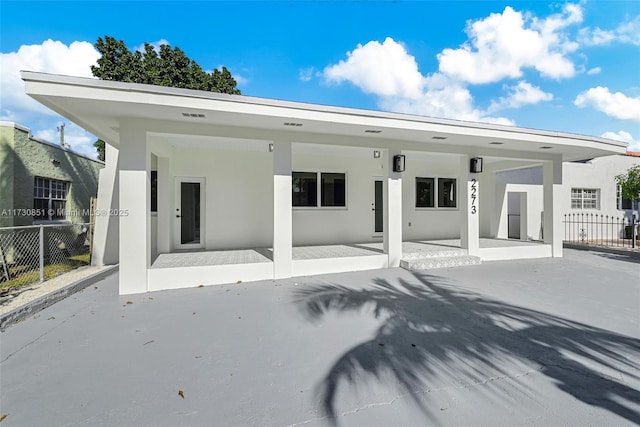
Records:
x=99, y=106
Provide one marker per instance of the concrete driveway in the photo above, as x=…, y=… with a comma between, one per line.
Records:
x=535, y=342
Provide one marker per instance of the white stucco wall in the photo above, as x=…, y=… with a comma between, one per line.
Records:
x=597, y=174
x=239, y=194
x=239, y=188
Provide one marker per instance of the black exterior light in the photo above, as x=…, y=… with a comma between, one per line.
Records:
x=475, y=165
x=398, y=163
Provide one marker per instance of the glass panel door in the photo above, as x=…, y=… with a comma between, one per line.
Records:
x=378, y=207
x=190, y=208
x=189, y=213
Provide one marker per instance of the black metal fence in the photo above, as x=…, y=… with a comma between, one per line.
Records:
x=601, y=230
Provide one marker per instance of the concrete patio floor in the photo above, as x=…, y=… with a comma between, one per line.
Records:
x=260, y=255
x=527, y=342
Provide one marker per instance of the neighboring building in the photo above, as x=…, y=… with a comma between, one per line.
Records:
x=588, y=187
x=205, y=188
x=41, y=182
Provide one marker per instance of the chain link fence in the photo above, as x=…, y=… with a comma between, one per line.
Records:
x=36, y=253
x=601, y=230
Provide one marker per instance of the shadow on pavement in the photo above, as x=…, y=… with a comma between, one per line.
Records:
x=432, y=330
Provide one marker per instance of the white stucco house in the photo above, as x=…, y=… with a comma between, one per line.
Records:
x=204, y=188
x=588, y=188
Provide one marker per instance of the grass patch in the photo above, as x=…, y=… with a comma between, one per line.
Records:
x=24, y=275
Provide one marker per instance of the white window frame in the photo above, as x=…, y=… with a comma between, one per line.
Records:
x=436, y=190
x=318, y=173
x=53, y=188
x=579, y=198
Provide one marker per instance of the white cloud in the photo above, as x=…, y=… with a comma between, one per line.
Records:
x=49, y=57
x=634, y=144
x=594, y=70
x=379, y=68
x=521, y=94
x=616, y=105
x=389, y=72
x=503, y=44
x=156, y=45
x=627, y=32
x=306, y=74
x=78, y=139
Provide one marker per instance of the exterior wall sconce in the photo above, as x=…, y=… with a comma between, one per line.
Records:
x=475, y=165
x=398, y=163
x=376, y=154
x=271, y=148
x=55, y=162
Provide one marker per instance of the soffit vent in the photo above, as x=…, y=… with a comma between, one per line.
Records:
x=438, y=137
x=194, y=115
x=372, y=131
x=496, y=143
x=292, y=124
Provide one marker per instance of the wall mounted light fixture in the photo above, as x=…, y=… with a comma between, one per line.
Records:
x=271, y=148
x=376, y=154
x=475, y=165
x=55, y=162
x=398, y=163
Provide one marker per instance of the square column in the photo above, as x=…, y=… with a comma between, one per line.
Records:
x=134, y=210
x=552, y=183
x=469, y=208
x=282, y=211
x=392, y=200
x=165, y=213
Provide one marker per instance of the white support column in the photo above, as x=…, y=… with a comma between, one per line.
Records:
x=135, y=221
x=282, y=212
x=552, y=183
x=469, y=208
x=392, y=193
x=106, y=234
x=165, y=212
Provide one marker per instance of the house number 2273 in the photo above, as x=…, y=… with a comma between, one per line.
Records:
x=474, y=196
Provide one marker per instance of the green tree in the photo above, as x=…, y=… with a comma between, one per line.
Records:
x=99, y=144
x=630, y=184
x=168, y=67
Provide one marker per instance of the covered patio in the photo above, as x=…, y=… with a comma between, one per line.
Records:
x=194, y=268
x=198, y=180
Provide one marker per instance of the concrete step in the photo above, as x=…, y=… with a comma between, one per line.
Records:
x=442, y=253
x=428, y=263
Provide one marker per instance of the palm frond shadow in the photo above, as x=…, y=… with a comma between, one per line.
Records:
x=432, y=330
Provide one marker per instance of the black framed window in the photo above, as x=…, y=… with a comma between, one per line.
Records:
x=333, y=189
x=425, y=192
x=304, y=189
x=447, y=193
x=331, y=186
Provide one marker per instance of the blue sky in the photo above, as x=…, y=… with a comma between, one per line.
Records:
x=567, y=66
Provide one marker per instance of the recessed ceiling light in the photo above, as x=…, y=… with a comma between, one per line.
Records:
x=194, y=115
x=496, y=143
x=438, y=137
x=546, y=147
x=372, y=131
x=292, y=124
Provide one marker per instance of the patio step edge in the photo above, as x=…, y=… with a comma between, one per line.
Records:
x=429, y=263
x=444, y=253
